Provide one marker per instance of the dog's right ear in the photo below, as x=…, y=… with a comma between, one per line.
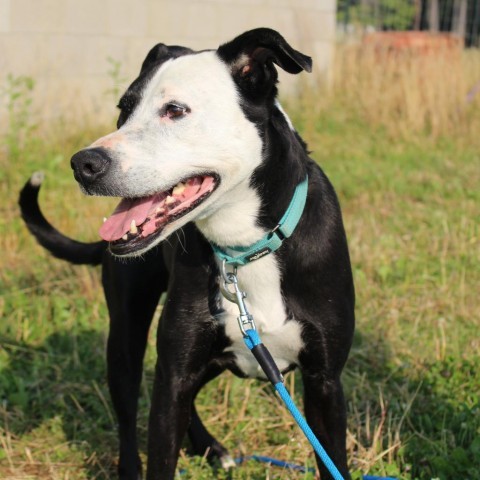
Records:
x=160, y=53
x=251, y=57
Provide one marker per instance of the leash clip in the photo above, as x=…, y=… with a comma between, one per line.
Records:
x=278, y=232
x=245, y=320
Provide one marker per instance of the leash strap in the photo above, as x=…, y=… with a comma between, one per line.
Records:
x=265, y=360
x=267, y=363
x=299, y=468
x=272, y=240
x=277, y=463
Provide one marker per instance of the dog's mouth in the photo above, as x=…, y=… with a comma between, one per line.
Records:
x=136, y=222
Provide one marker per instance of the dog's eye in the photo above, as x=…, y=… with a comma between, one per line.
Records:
x=172, y=110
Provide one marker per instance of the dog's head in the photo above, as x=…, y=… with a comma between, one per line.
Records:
x=189, y=131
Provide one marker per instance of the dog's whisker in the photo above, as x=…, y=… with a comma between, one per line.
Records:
x=182, y=244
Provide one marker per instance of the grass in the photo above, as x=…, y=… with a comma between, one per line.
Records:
x=410, y=200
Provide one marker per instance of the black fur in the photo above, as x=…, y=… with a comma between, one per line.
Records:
x=158, y=55
x=49, y=237
x=316, y=282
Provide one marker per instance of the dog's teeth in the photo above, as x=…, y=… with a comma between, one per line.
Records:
x=169, y=200
x=125, y=237
x=133, y=228
x=178, y=189
x=159, y=210
x=104, y=219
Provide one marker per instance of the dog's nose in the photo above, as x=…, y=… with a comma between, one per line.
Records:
x=89, y=165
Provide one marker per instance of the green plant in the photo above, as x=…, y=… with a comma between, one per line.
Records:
x=115, y=74
x=17, y=93
x=410, y=202
x=381, y=14
x=397, y=15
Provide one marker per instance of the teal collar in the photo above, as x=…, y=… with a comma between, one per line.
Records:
x=271, y=241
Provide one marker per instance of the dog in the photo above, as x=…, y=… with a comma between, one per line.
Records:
x=203, y=148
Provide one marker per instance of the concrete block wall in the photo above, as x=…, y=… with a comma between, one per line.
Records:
x=65, y=44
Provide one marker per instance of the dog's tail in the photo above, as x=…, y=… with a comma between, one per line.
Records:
x=49, y=237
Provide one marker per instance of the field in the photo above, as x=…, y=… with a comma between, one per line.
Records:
x=404, y=156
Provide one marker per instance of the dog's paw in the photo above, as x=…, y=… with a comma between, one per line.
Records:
x=227, y=462
x=130, y=471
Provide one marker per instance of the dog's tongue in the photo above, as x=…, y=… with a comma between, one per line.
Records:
x=118, y=224
x=149, y=212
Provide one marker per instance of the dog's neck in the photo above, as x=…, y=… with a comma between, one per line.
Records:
x=255, y=206
x=235, y=223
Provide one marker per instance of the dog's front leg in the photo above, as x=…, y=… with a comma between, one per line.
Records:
x=132, y=291
x=170, y=416
x=184, y=347
x=325, y=412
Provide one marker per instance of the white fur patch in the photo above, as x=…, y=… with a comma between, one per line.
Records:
x=153, y=152
x=37, y=179
x=287, y=118
x=261, y=281
x=234, y=222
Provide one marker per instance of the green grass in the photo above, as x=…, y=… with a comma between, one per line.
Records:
x=411, y=208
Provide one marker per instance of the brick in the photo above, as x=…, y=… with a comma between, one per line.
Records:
x=315, y=25
x=41, y=16
x=5, y=14
x=127, y=17
x=86, y=17
x=64, y=44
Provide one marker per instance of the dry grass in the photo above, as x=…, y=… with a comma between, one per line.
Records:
x=408, y=95
x=399, y=141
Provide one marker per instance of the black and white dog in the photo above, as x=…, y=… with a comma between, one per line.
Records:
x=203, y=145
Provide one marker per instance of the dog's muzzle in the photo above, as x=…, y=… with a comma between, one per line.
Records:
x=90, y=165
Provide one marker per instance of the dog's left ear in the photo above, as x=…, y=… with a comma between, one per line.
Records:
x=251, y=57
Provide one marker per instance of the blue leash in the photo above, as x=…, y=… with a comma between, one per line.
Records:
x=265, y=360
x=276, y=463
x=292, y=466
x=254, y=343
x=268, y=365
x=252, y=340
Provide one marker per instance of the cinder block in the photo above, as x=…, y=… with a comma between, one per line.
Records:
x=283, y=20
x=322, y=54
x=127, y=17
x=5, y=14
x=229, y=28
x=23, y=54
x=202, y=18
x=166, y=20
x=64, y=44
x=86, y=17
x=46, y=16
x=315, y=25
x=321, y=5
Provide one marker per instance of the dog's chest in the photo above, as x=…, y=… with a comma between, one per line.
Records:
x=261, y=281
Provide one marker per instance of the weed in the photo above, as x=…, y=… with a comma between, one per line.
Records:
x=17, y=94
x=410, y=200
x=115, y=74
x=401, y=94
